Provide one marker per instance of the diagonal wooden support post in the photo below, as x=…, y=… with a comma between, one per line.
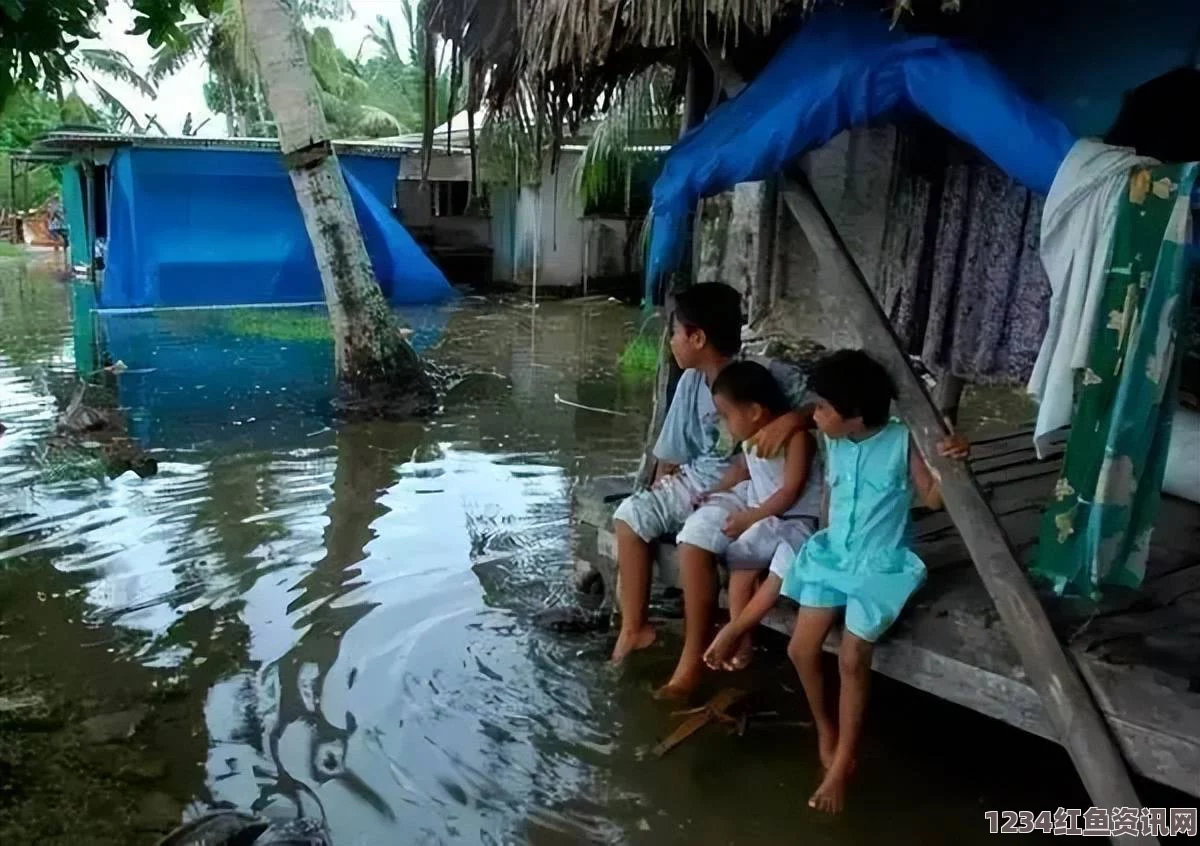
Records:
x=1069, y=705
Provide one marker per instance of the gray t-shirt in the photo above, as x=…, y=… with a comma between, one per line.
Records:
x=693, y=435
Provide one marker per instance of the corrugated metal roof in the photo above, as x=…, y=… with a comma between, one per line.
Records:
x=70, y=143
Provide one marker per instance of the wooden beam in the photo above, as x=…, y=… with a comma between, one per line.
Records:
x=949, y=395
x=1076, y=719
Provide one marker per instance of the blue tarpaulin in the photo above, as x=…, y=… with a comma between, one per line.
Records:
x=843, y=69
x=222, y=227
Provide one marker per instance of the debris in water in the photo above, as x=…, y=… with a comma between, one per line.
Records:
x=570, y=404
x=715, y=710
x=109, y=728
x=571, y=619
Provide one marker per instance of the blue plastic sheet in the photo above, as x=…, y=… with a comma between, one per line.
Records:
x=222, y=227
x=846, y=68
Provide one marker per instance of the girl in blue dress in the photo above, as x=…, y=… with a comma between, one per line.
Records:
x=861, y=564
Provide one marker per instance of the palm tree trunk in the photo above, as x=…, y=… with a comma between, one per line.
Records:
x=377, y=370
x=230, y=111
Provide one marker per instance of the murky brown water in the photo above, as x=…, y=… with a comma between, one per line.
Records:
x=336, y=621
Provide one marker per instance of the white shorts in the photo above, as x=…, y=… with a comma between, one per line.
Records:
x=772, y=542
x=659, y=510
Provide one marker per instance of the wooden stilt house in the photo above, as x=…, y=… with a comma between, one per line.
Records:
x=1116, y=683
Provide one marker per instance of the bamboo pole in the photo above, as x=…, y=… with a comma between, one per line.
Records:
x=1077, y=720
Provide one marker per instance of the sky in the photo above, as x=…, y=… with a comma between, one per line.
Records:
x=184, y=92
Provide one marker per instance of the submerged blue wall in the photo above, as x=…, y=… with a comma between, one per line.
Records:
x=223, y=227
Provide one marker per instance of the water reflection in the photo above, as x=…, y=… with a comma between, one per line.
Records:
x=334, y=620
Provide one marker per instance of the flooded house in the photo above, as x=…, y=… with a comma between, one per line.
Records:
x=542, y=234
x=885, y=187
x=161, y=222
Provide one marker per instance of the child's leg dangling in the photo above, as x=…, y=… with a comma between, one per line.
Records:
x=634, y=565
x=812, y=625
x=698, y=574
x=742, y=584
x=854, y=670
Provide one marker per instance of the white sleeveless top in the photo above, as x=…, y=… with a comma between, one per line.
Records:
x=766, y=477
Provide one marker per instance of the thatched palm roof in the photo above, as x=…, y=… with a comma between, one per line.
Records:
x=567, y=54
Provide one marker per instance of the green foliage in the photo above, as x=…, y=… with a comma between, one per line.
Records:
x=639, y=360
x=28, y=114
x=644, y=113
x=36, y=37
x=70, y=464
x=511, y=153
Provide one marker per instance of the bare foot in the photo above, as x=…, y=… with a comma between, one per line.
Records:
x=744, y=655
x=681, y=686
x=826, y=746
x=831, y=795
x=632, y=641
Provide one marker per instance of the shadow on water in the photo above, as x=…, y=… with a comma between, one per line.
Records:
x=334, y=621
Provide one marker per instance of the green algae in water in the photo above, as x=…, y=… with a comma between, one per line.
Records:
x=278, y=324
x=71, y=465
x=8, y=250
x=638, y=362
x=286, y=325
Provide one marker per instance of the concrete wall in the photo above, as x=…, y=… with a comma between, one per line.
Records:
x=413, y=203
x=543, y=226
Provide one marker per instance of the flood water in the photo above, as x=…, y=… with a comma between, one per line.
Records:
x=302, y=617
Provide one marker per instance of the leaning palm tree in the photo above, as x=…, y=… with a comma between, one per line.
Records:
x=377, y=369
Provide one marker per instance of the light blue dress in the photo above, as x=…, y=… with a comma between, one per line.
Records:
x=862, y=560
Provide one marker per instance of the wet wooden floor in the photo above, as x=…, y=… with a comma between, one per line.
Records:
x=1139, y=651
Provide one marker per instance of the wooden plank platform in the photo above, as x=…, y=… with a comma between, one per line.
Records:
x=1138, y=651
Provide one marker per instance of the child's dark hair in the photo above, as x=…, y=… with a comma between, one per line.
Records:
x=855, y=384
x=744, y=382
x=716, y=310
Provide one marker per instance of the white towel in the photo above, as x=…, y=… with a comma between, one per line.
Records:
x=1078, y=221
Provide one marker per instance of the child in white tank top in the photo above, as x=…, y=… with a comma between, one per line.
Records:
x=758, y=515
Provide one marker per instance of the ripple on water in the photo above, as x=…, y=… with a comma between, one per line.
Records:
x=333, y=620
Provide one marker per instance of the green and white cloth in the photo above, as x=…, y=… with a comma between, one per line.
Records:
x=1096, y=530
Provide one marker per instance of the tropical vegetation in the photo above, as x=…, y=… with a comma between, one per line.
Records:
x=377, y=92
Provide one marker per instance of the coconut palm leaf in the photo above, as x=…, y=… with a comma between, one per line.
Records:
x=124, y=117
x=375, y=123
x=116, y=66
x=383, y=37
x=414, y=21
x=645, y=110
x=171, y=57
x=235, y=42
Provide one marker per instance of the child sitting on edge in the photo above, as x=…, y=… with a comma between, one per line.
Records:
x=693, y=452
x=762, y=511
x=860, y=562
